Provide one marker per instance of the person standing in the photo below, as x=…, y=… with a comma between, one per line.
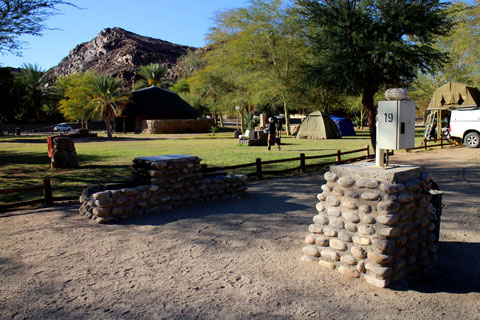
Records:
x=272, y=134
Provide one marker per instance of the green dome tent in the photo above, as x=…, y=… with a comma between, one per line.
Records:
x=318, y=125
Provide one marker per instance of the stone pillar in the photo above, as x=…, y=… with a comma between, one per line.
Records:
x=373, y=223
x=63, y=153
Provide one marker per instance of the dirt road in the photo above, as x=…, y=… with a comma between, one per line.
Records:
x=232, y=260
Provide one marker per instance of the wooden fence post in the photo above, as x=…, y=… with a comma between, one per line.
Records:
x=368, y=151
x=302, y=162
x=339, y=156
x=47, y=192
x=441, y=142
x=258, y=164
x=425, y=143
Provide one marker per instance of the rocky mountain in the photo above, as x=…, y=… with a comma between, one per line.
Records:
x=120, y=53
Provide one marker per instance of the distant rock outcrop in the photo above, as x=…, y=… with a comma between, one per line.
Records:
x=120, y=53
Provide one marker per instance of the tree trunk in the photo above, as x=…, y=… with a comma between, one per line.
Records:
x=242, y=120
x=109, y=127
x=287, y=119
x=222, y=125
x=369, y=106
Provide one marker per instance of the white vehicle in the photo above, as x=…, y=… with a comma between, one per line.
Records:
x=465, y=126
x=62, y=127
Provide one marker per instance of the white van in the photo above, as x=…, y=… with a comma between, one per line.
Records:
x=465, y=126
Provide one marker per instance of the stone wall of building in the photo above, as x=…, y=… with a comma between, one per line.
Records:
x=373, y=223
x=164, y=182
x=177, y=126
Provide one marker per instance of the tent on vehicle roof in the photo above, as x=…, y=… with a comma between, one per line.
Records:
x=318, y=125
x=454, y=95
x=344, y=125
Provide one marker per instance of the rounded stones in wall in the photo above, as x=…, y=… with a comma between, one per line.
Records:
x=358, y=252
x=332, y=201
x=311, y=251
x=349, y=272
x=329, y=255
x=330, y=176
x=338, y=245
x=370, y=196
x=363, y=241
x=350, y=216
x=348, y=259
x=346, y=182
x=351, y=227
x=310, y=239
x=315, y=229
x=369, y=183
x=321, y=241
x=344, y=236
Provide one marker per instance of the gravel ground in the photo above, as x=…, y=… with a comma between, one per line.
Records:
x=231, y=260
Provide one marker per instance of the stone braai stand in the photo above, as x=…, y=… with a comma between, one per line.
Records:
x=163, y=182
x=63, y=153
x=373, y=223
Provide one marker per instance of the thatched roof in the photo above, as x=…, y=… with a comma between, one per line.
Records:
x=158, y=103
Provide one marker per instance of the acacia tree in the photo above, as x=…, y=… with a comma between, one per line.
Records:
x=263, y=43
x=20, y=17
x=366, y=45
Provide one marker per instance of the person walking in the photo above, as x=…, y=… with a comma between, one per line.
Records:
x=272, y=134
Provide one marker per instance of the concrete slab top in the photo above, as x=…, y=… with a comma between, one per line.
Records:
x=167, y=157
x=364, y=169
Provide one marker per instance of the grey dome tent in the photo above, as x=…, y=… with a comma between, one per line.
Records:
x=318, y=125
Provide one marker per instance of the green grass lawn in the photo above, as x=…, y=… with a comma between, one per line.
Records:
x=24, y=160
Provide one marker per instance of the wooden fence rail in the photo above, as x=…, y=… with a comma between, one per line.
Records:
x=259, y=170
x=425, y=145
x=46, y=200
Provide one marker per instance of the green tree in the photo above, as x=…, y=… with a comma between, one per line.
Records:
x=262, y=43
x=20, y=17
x=38, y=95
x=181, y=86
x=461, y=46
x=10, y=101
x=152, y=75
x=88, y=96
x=76, y=90
x=366, y=45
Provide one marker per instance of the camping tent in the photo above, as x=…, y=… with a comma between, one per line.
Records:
x=318, y=125
x=447, y=97
x=454, y=95
x=344, y=125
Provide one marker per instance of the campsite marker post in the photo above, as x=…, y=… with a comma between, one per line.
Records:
x=395, y=124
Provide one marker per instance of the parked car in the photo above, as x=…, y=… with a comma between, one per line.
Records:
x=62, y=127
x=465, y=126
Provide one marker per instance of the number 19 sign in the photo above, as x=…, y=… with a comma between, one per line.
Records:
x=396, y=124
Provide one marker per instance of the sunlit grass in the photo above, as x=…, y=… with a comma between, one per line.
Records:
x=24, y=160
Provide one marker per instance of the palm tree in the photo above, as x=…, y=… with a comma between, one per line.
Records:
x=107, y=99
x=38, y=95
x=152, y=75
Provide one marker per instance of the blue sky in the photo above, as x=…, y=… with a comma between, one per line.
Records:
x=179, y=21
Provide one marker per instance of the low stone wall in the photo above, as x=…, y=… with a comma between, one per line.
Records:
x=165, y=182
x=373, y=223
x=177, y=126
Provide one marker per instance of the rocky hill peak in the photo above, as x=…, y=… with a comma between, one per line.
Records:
x=120, y=53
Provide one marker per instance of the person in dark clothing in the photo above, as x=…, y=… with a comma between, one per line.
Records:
x=272, y=134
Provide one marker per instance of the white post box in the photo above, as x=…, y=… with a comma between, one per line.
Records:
x=396, y=124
